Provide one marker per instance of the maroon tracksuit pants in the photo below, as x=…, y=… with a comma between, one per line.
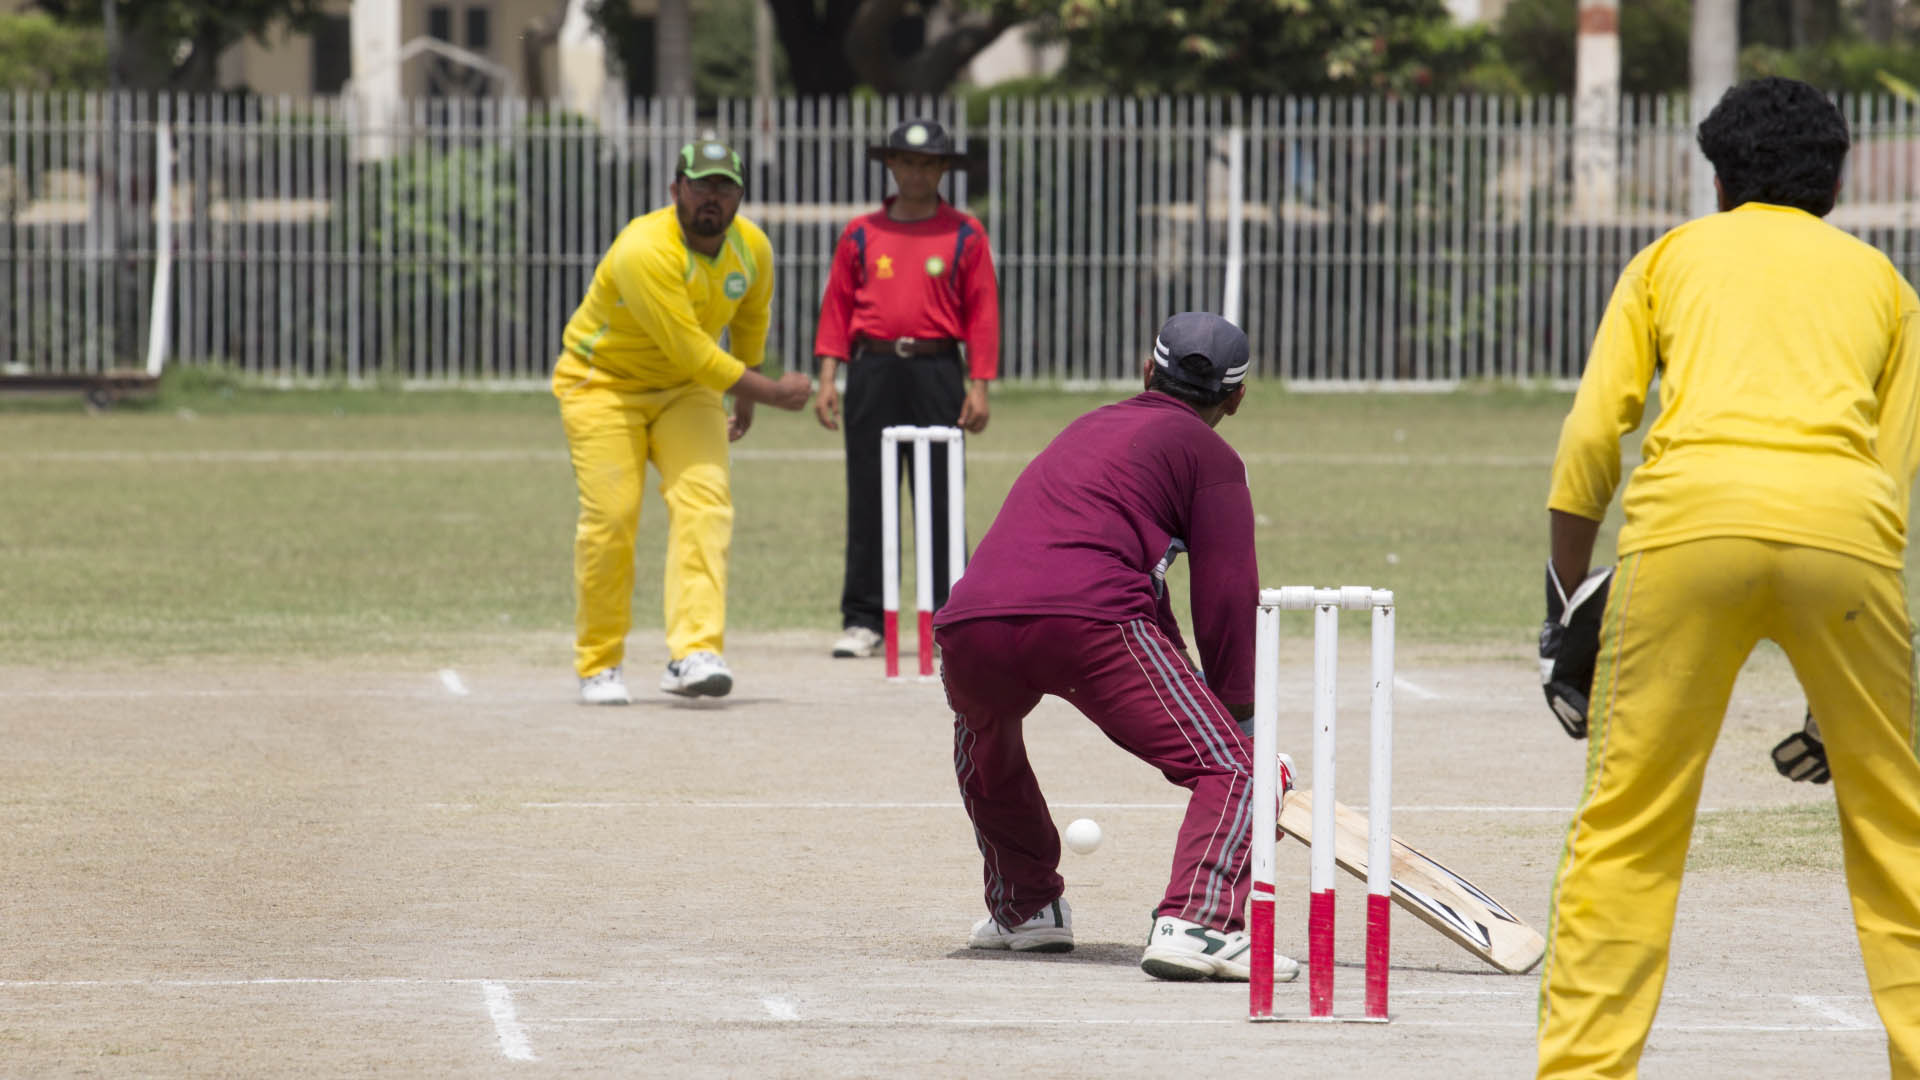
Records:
x=1129, y=679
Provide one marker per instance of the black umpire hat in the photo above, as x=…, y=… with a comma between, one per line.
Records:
x=1220, y=344
x=927, y=137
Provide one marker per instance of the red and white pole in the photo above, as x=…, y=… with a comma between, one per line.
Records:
x=1326, y=666
x=1266, y=807
x=890, y=546
x=1380, y=810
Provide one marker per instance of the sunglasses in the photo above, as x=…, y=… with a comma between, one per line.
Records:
x=712, y=185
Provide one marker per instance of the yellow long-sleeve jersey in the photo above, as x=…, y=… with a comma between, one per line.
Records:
x=1789, y=390
x=652, y=318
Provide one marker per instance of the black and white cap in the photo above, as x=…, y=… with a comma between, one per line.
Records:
x=918, y=137
x=1198, y=333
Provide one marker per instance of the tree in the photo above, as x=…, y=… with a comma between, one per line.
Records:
x=176, y=44
x=1537, y=38
x=889, y=46
x=1266, y=46
x=37, y=53
x=673, y=48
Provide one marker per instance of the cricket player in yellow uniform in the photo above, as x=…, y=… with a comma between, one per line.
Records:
x=641, y=379
x=1771, y=502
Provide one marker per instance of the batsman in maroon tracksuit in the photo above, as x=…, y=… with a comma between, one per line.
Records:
x=1066, y=595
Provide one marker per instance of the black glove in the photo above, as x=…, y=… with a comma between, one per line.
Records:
x=1802, y=755
x=1569, y=642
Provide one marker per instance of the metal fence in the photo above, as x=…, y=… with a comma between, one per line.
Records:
x=1385, y=240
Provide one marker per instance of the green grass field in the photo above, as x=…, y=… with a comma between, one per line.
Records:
x=220, y=519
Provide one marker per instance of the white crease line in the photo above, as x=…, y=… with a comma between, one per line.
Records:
x=662, y=805
x=513, y=1036
x=297, y=981
x=1831, y=1011
x=780, y=1008
x=477, y=455
x=248, y=692
x=450, y=679
x=1411, y=808
x=1096, y=1021
x=1414, y=688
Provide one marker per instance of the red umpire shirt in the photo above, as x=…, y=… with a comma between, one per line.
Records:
x=927, y=280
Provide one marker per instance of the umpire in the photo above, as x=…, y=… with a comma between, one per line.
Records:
x=912, y=283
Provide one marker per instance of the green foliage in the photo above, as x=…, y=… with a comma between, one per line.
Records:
x=1791, y=25
x=1266, y=46
x=176, y=44
x=430, y=219
x=38, y=53
x=1842, y=64
x=722, y=48
x=1536, y=38
x=439, y=206
x=723, y=51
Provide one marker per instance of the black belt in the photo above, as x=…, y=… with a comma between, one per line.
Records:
x=906, y=346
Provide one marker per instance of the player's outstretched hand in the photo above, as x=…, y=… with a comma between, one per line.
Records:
x=790, y=391
x=1569, y=642
x=1803, y=755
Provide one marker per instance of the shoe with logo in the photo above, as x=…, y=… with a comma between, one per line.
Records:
x=1185, y=951
x=698, y=674
x=856, y=642
x=604, y=687
x=1050, y=930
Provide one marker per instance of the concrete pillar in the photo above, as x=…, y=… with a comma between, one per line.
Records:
x=1596, y=111
x=1714, y=66
x=376, y=76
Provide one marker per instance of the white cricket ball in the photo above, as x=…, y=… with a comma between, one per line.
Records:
x=1083, y=835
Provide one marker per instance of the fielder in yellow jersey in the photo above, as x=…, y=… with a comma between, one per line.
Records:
x=641, y=380
x=1772, y=503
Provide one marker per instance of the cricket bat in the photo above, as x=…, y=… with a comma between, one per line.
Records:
x=1439, y=897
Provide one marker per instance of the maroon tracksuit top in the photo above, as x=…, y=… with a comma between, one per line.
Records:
x=1094, y=522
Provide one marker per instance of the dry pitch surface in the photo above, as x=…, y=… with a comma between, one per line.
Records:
x=220, y=871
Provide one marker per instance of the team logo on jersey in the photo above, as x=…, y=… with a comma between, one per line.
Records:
x=883, y=266
x=736, y=285
x=936, y=266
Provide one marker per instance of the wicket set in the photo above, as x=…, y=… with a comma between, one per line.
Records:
x=922, y=439
x=1326, y=605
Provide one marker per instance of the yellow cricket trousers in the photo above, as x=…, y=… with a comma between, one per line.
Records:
x=612, y=434
x=1680, y=622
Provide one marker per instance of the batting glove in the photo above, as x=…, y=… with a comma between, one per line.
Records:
x=1803, y=755
x=1569, y=643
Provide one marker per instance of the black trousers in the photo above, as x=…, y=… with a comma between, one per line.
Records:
x=884, y=390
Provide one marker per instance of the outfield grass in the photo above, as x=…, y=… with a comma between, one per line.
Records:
x=219, y=519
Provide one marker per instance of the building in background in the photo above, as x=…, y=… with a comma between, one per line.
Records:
x=497, y=31
x=1020, y=53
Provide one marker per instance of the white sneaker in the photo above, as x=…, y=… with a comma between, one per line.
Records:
x=1185, y=951
x=1050, y=930
x=604, y=688
x=698, y=674
x=858, y=641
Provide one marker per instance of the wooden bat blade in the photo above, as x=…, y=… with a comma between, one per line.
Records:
x=1436, y=895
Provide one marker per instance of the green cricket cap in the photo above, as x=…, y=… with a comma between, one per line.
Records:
x=710, y=157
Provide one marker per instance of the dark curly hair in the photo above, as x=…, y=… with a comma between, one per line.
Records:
x=1777, y=141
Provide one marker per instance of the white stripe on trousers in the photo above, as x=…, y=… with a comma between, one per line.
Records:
x=1204, y=722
